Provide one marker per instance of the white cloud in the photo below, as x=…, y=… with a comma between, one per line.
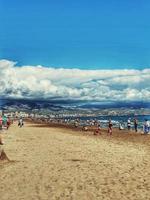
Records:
x=46, y=83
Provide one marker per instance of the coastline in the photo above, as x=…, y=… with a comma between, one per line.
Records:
x=122, y=135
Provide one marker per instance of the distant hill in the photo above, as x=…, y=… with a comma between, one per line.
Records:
x=59, y=105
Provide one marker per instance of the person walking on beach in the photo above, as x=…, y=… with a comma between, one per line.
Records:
x=4, y=121
x=20, y=122
x=129, y=124
x=8, y=122
x=146, y=127
x=135, y=124
x=110, y=127
x=1, y=123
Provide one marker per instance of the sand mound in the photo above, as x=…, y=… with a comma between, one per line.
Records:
x=3, y=155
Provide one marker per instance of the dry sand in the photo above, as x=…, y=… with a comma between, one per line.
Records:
x=63, y=164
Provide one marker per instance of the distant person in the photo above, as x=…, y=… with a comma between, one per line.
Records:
x=8, y=122
x=135, y=125
x=146, y=127
x=20, y=122
x=98, y=130
x=129, y=124
x=1, y=143
x=1, y=123
x=110, y=125
x=121, y=126
x=4, y=121
x=95, y=122
x=85, y=128
x=76, y=124
x=12, y=120
x=99, y=127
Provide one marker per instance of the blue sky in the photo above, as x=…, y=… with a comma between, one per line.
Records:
x=94, y=34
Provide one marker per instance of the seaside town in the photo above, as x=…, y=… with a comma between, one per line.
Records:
x=26, y=111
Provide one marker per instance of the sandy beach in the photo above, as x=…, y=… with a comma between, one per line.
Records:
x=53, y=163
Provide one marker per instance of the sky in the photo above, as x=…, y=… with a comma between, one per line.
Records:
x=94, y=34
x=38, y=82
x=96, y=50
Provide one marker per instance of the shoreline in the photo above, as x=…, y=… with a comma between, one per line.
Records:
x=118, y=135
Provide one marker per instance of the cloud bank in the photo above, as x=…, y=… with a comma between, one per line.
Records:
x=38, y=82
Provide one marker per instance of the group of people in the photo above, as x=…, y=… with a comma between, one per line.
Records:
x=97, y=131
x=146, y=125
x=5, y=123
x=109, y=131
x=130, y=124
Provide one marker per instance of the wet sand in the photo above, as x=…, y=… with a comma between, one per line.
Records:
x=53, y=163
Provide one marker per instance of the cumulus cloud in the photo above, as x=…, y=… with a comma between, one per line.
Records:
x=40, y=82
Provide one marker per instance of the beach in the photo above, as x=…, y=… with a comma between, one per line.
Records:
x=59, y=163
